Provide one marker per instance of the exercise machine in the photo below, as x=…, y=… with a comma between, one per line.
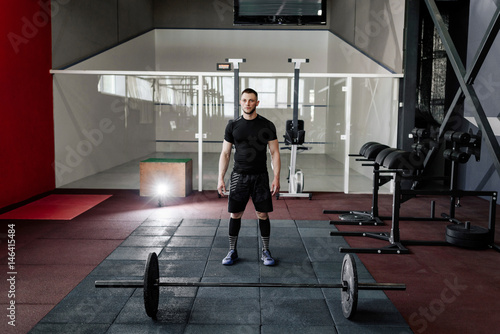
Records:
x=294, y=138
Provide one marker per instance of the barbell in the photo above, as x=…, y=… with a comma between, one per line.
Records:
x=348, y=283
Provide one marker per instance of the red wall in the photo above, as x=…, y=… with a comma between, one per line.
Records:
x=26, y=116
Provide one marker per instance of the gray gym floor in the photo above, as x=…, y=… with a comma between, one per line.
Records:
x=192, y=250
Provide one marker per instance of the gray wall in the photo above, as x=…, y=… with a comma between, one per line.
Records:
x=81, y=29
x=373, y=27
x=482, y=175
x=265, y=51
x=213, y=14
x=209, y=14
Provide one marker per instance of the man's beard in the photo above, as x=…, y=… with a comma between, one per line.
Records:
x=251, y=111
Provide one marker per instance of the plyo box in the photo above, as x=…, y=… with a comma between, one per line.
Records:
x=175, y=174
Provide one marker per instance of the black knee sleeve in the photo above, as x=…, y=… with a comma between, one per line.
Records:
x=265, y=227
x=234, y=226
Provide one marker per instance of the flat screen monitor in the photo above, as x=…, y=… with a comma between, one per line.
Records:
x=276, y=12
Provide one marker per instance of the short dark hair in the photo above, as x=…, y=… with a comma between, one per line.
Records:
x=250, y=91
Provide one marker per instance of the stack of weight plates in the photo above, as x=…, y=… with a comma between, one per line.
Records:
x=467, y=236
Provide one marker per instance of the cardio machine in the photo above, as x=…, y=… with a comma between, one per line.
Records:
x=294, y=139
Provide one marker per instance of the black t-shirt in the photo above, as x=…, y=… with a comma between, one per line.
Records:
x=250, y=138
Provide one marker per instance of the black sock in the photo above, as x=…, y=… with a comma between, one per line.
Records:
x=234, y=230
x=265, y=232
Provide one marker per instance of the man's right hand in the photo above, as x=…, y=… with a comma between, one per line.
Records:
x=221, y=188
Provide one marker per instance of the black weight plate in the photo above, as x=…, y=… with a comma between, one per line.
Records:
x=372, y=151
x=356, y=217
x=383, y=154
x=467, y=243
x=349, y=277
x=151, y=287
x=399, y=160
x=472, y=233
x=365, y=146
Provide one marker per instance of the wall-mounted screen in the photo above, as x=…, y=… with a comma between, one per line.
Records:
x=276, y=12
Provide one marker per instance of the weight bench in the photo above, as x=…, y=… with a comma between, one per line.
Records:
x=398, y=164
x=376, y=153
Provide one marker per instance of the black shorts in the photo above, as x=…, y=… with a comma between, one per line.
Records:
x=244, y=186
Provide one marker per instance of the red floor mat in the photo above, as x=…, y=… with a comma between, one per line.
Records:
x=56, y=207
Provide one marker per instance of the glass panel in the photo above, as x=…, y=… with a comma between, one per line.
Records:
x=177, y=114
x=112, y=85
x=104, y=125
x=177, y=119
x=318, y=108
x=334, y=97
x=374, y=117
x=218, y=110
x=95, y=131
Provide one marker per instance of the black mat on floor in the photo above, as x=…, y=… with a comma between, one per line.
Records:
x=192, y=250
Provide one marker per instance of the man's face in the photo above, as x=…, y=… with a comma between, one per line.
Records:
x=248, y=103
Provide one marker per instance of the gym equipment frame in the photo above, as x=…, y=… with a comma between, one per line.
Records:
x=376, y=153
x=396, y=245
x=295, y=177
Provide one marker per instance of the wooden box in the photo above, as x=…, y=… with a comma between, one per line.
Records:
x=175, y=174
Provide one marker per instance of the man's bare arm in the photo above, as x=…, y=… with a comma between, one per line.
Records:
x=225, y=156
x=276, y=163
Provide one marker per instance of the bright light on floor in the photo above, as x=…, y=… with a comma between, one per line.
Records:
x=161, y=189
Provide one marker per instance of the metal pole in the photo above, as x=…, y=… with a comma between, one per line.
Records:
x=295, y=118
x=292, y=185
x=200, y=133
x=406, y=119
x=296, y=81
x=140, y=284
x=348, y=105
x=236, y=92
x=236, y=71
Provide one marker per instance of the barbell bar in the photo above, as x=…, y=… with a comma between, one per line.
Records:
x=349, y=285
